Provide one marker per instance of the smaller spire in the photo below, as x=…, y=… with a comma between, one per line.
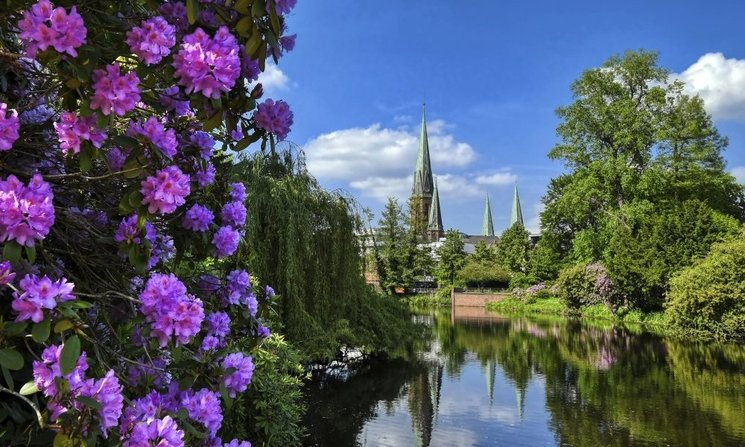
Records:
x=517, y=212
x=487, y=225
x=435, y=216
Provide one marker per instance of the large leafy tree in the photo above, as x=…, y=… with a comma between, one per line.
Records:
x=452, y=257
x=392, y=251
x=512, y=251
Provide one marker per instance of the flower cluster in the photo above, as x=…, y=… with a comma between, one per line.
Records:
x=73, y=130
x=172, y=100
x=106, y=391
x=218, y=328
x=234, y=214
x=114, y=92
x=154, y=130
x=238, y=372
x=226, y=241
x=129, y=232
x=175, y=13
x=43, y=27
x=238, y=192
x=8, y=127
x=535, y=288
x=198, y=218
x=158, y=432
x=284, y=6
x=206, y=176
x=170, y=310
x=38, y=294
x=204, y=142
x=26, y=212
x=274, y=117
x=7, y=275
x=116, y=158
x=209, y=65
x=166, y=190
x=152, y=40
x=203, y=406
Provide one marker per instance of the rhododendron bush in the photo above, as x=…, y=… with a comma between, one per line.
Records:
x=121, y=300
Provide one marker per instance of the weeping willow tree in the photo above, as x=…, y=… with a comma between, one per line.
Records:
x=302, y=239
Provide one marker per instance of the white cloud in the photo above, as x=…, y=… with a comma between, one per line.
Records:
x=739, y=173
x=498, y=179
x=533, y=224
x=720, y=82
x=274, y=79
x=379, y=161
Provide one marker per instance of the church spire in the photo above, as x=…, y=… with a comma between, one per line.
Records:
x=487, y=227
x=434, y=227
x=517, y=212
x=423, y=171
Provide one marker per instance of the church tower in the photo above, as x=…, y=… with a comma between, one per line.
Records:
x=422, y=192
x=487, y=226
x=434, y=227
x=517, y=212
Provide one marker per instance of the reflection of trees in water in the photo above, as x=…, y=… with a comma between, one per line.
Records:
x=606, y=386
x=424, y=400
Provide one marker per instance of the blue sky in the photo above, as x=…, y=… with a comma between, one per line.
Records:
x=492, y=74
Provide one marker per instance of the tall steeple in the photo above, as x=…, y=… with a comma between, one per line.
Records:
x=423, y=183
x=434, y=226
x=517, y=212
x=487, y=227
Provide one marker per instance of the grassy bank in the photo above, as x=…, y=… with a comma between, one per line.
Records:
x=554, y=306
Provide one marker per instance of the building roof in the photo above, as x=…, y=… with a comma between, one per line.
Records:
x=423, y=184
x=487, y=226
x=435, y=216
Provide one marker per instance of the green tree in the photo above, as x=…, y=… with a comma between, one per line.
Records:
x=452, y=256
x=512, y=251
x=484, y=253
x=391, y=236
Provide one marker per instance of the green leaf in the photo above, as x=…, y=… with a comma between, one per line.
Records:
x=70, y=354
x=40, y=331
x=12, y=252
x=13, y=329
x=30, y=253
x=11, y=359
x=192, y=430
x=244, y=26
x=274, y=19
x=242, y=6
x=8, y=377
x=252, y=44
x=62, y=440
x=29, y=388
x=89, y=402
x=213, y=121
x=192, y=10
x=126, y=142
x=225, y=396
x=258, y=8
x=85, y=158
x=62, y=326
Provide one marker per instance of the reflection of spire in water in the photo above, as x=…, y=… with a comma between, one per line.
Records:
x=520, y=396
x=491, y=374
x=424, y=402
x=435, y=385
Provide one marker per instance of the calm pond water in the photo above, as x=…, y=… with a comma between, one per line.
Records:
x=483, y=381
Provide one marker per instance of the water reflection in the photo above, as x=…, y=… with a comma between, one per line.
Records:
x=530, y=382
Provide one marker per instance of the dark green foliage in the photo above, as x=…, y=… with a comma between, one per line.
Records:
x=483, y=274
x=544, y=261
x=521, y=280
x=301, y=240
x=512, y=250
x=484, y=253
x=708, y=298
x=392, y=232
x=583, y=285
x=270, y=413
x=452, y=257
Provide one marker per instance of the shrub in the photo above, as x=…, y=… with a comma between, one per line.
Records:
x=483, y=275
x=521, y=280
x=587, y=284
x=708, y=298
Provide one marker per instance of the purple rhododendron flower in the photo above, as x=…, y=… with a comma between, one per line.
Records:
x=263, y=331
x=152, y=40
x=252, y=303
x=175, y=13
x=38, y=294
x=7, y=275
x=198, y=218
x=9, y=126
x=172, y=99
x=249, y=68
x=37, y=115
x=236, y=134
x=234, y=214
x=284, y=6
x=73, y=129
x=203, y=407
x=108, y=392
x=209, y=65
x=114, y=91
x=116, y=158
x=274, y=117
x=205, y=177
x=237, y=443
x=218, y=324
x=47, y=370
x=43, y=27
x=226, y=241
x=155, y=432
x=237, y=381
x=238, y=192
x=26, y=211
x=170, y=310
x=166, y=190
x=163, y=250
x=210, y=343
x=269, y=291
x=154, y=130
x=204, y=142
x=129, y=233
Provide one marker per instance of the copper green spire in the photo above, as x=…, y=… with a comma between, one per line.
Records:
x=487, y=227
x=435, y=217
x=423, y=171
x=517, y=212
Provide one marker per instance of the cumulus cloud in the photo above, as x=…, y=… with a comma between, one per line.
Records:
x=720, y=82
x=739, y=173
x=498, y=179
x=274, y=79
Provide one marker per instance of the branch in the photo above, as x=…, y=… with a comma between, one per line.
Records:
x=39, y=417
